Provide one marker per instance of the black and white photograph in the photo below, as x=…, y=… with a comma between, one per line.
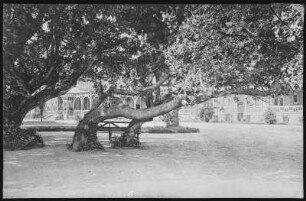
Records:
x=152, y=100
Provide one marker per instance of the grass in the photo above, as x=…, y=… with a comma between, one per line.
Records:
x=223, y=160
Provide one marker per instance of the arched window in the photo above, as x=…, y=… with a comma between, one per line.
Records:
x=138, y=102
x=86, y=103
x=276, y=101
x=77, y=104
x=295, y=98
x=281, y=101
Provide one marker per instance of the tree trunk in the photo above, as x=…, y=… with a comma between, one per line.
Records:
x=85, y=137
x=129, y=137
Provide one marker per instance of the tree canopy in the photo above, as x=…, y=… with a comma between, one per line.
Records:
x=195, y=52
x=48, y=47
x=247, y=49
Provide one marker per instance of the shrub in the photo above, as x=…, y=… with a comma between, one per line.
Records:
x=270, y=116
x=207, y=113
x=179, y=129
x=286, y=119
x=22, y=139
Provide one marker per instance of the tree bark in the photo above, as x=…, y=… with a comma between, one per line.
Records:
x=85, y=137
x=129, y=138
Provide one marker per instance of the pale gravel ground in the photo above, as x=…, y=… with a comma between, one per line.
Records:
x=223, y=160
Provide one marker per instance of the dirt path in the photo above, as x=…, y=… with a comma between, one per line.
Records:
x=223, y=160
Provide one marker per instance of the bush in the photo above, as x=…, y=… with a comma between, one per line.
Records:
x=159, y=129
x=207, y=113
x=270, y=116
x=285, y=119
x=21, y=139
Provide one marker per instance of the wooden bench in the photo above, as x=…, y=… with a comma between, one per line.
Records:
x=114, y=126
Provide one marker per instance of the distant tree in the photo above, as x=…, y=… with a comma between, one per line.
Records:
x=270, y=116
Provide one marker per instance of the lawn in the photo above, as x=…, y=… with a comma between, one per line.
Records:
x=223, y=160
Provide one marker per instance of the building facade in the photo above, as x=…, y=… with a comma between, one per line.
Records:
x=81, y=98
x=242, y=108
x=77, y=102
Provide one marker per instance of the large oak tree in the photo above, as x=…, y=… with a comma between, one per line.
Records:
x=217, y=50
x=47, y=48
x=204, y=51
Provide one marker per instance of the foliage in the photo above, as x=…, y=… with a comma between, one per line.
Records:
x=22, y=139
x=198, y=52
x=207, y=112
x=270, y=116
x=48, y=47
x=243, y=48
